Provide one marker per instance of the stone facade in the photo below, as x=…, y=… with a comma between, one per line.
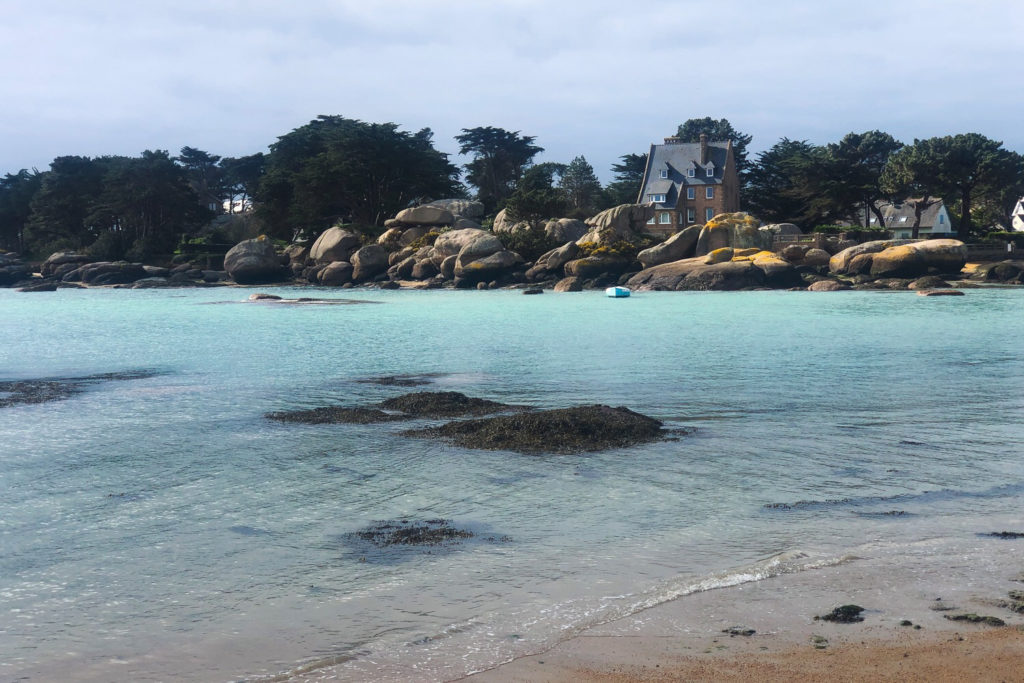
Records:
x=689, y=183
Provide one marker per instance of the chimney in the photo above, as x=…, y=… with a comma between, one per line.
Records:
x=703, y=148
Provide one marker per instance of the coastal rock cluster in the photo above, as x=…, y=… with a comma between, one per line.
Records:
x=515, y=428
x=443, y=244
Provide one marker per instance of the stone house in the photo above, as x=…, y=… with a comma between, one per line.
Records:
x=688, y=183
x=899, y=220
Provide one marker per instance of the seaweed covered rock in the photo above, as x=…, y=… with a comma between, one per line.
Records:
x=563, y=430
x=442, y=404
x=405, y=532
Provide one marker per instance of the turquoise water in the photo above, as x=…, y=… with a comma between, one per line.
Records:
x=160, y=528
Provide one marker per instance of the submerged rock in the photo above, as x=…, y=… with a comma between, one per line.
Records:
x=335, y=415
x=29, y=391
x=564, y=430
x=442, y=404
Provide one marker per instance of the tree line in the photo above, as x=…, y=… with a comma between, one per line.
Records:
x=335, y=169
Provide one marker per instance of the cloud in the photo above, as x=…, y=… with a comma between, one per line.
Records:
x=596, y=78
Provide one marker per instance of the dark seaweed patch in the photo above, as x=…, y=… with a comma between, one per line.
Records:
x=31, y=391
x=390, y=541
x=404, y=532
x=443, y=404
x=888, y=513
x=564, y=430
x=336, y=415
x=846, y=614
x=976, y=619
x=402, y=380
x=1005, y=535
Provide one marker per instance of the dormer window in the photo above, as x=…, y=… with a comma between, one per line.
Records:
x=691, y=173
x=664, y=173
x=657, y=198
x=710, y=171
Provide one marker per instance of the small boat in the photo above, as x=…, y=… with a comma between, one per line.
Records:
x=617, y=292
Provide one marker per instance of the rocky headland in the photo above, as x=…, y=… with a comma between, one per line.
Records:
x=442, y=244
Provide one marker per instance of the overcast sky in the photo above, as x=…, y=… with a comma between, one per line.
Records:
x=585, y=77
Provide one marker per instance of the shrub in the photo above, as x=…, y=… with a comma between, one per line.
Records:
x=530, y=242
x=109, y=246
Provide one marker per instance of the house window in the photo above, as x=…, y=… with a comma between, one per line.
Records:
x=903, y=219
x=665, y=218
x=664, y=173
x=709, y=213
x=710, y=172
x=691, y=193
x=650, y=221
x=942, y=219
x=709, y=192
x=690, y=173
x=691, y=215
x=657, y=198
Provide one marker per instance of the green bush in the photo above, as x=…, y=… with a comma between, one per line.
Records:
x=530, y=243
x=109, y=246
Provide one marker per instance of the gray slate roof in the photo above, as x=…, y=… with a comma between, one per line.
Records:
x=677, y=158
x=894, y=213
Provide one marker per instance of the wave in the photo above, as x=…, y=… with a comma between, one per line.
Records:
x=938, y=495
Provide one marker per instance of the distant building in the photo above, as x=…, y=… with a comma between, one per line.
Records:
x=899, y=220
x=1017, y=217
x=688, y=183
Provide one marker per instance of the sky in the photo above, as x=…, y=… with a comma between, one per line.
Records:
x=584, y=77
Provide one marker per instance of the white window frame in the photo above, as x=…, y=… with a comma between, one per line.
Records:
x=691, y=193
x=658, y=198
x=709, y=192
x=691, y=173
x=665, y=218
x=710, y=172
x=691, y=215
x=709, y=213
x=664, y=173
x=650, y=221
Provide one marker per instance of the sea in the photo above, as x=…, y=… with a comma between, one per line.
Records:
x=156, y=526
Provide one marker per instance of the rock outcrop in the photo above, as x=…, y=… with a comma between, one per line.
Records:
x=679, y=246
x=334, y=244
x=254, y=262
x=737, y=230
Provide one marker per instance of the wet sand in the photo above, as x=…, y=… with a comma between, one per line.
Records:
x=682, y=640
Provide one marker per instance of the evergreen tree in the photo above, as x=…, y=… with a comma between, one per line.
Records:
x=500, y=158
x=629, y=175
x=580, y=184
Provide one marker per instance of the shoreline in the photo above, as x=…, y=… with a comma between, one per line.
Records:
x=683, y=639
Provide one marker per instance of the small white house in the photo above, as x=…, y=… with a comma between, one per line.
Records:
x=1017, y=217
x=899, y=220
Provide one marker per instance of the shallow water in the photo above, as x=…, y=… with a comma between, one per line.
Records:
x=161, y=527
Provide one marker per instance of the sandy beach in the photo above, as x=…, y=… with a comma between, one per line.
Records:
x=684, y=639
